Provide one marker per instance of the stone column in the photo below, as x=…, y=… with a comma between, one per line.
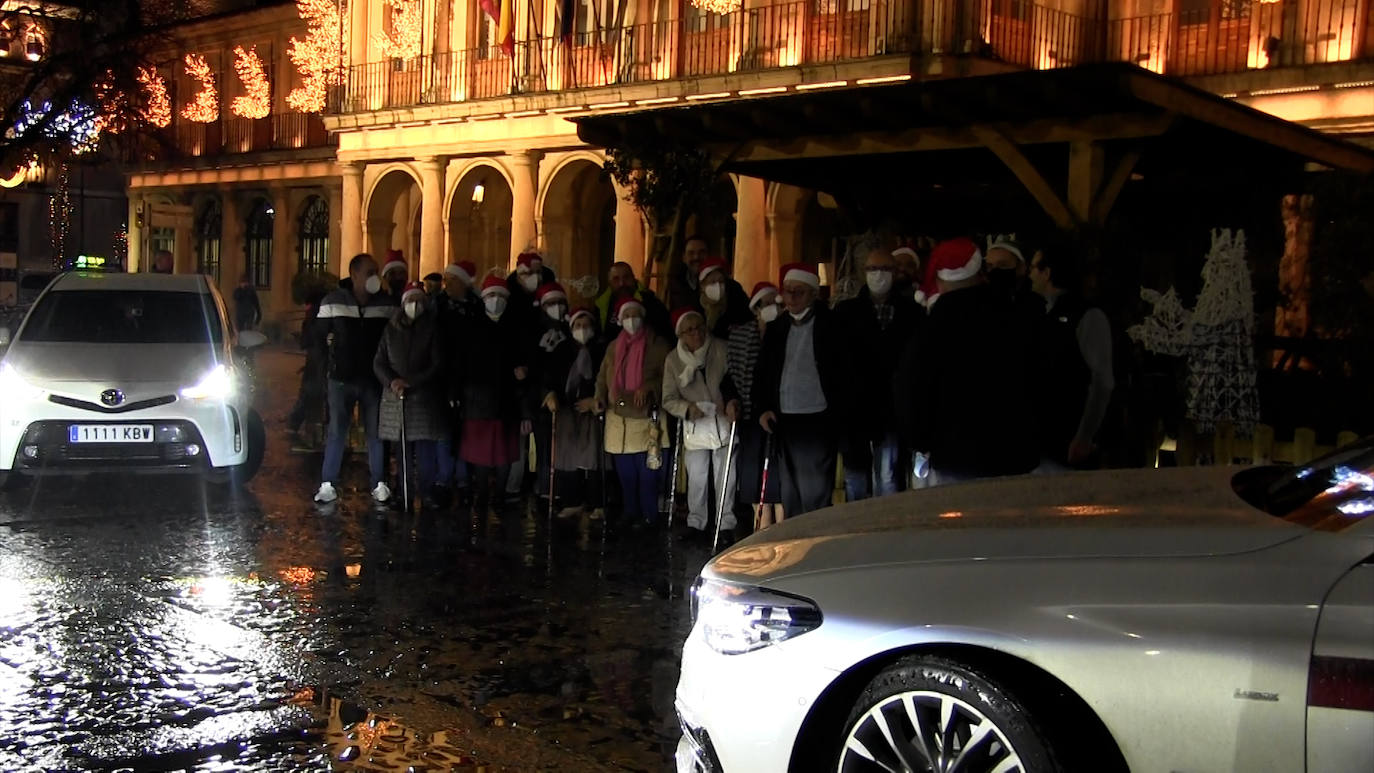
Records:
x=134, y=261
x=350, y=215
x=334, y=198
x=751, y=239
x=284, y=255
x=232, y=255
x=183, y=251
x=629, y=235
x=432, y=214
x=523, y=233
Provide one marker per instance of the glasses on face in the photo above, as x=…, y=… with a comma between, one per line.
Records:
x=692, y=330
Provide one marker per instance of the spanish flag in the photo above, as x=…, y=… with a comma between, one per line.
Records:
x=501, y=12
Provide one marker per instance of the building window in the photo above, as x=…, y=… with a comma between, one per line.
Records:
x=314, y=234
x=488, y=35
x=209, y=226
x=160, y=239
x=258, y=243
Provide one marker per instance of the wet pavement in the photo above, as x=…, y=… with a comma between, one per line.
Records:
x=154, y=624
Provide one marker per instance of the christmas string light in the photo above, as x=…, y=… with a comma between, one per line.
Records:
x=60, y=217
x=256, y=101
x=157, y=105
x=403, y=42
x=317, y=57
x=78, y=124
x=205, y=107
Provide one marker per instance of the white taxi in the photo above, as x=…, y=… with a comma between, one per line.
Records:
x=126, y=373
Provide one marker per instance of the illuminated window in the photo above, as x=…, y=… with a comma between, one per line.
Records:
x=314, y=236
x=258, y=243
x=209, y=226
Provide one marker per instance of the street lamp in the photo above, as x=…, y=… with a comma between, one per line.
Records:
x=33, y=49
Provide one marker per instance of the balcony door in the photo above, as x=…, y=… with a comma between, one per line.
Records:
x=1213, y=36
x=840, y=29
x=1009, y=31
x=706, y=41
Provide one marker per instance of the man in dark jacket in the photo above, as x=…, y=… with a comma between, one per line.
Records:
x=310, y=399
x=799, y=391
x=247, y=309
x=621, y=283
x=352, y=321
x=685, y=282
x=878, y=324
x=965, y=375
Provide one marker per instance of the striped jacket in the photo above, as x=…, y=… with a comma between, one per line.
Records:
x=352, y=332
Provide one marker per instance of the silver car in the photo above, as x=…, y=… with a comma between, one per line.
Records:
x=1197, y=619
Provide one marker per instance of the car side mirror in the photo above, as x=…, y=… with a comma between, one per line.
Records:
x=251, y=339
x=4, y=336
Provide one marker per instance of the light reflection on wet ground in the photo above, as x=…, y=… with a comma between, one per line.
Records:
x=150, y=625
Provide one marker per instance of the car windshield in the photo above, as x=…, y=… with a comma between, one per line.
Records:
x=1330, y=494
x=124, y=317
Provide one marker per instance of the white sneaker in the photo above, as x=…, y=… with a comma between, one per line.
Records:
x=382, y=493
x=326, y=494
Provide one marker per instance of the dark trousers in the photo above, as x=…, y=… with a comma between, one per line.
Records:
x=638, y=486
x=578, y=488
x=806, y=457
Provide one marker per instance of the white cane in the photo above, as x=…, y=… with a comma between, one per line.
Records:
x=405, y=466
x=724, y=487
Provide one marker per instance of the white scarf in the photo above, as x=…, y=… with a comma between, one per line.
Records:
x=693, y=363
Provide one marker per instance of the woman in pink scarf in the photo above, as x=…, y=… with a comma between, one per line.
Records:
x=627, y=389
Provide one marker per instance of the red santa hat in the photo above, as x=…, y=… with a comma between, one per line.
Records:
x=582, y=311
x=464, y=270
x=495, y=285
x=394, y=260
x=800, y=272
x=906, y=251
x=628, y=302
x=711, y=264
x=530, y=260
x=761, y=291
x=955, y=260
x=680, y=315
x=414, y=291
x=549, y=292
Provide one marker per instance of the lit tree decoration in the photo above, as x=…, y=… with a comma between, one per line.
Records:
x=404, y=40
x=157, y=106
x=121, y=244
x=205, y=107
x=60, y=217
x=717, y=6
x=318, y=57
x=256, y=101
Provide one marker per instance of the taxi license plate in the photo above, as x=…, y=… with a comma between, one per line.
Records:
x=110, y=433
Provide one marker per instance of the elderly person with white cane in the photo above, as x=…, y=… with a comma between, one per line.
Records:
x=410, y=366
x=698, y=390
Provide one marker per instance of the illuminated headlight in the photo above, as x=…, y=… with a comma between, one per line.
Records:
x=735, y=619
x=13, y=384
x=218, y=384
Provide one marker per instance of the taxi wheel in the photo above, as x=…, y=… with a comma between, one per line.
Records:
x=929, y=713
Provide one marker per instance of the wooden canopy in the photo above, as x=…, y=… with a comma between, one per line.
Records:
x=1072, y=137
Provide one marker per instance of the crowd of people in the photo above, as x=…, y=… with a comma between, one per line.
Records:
x=956, y=364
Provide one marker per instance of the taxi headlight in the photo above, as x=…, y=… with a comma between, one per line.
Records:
x=735, y=619
x=218, y=384
x=11, y=383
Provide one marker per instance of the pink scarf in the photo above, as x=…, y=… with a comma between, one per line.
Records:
x=629, y=363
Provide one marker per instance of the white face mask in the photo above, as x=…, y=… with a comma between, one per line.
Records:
x=530, y=281
x=412, y=308
x=556, y=312
x=496, y=305
x=714, y=291
x=373, y=285
x=632, y=325
x=768, y=312
x=582, y=334
x=879, y=282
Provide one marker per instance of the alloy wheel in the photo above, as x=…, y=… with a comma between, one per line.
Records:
x=920, y=731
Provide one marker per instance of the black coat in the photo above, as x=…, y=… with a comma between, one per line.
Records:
x=831, y=364
x=873, y=353
x=352, y=332
x=736, y=310
x=963, y=384
x=483, y=375
x=411, y=350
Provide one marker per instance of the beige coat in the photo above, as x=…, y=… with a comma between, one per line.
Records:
x=709, y=432
x=629, y=429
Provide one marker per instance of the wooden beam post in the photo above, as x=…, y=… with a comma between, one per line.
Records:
x=1106, y=199
x=1085, y=178
x=1029, y=176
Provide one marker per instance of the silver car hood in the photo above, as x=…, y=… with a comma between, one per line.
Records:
x=60, y=367
x=1120, y=513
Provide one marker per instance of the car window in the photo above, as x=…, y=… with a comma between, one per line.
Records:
x=124, y=317
x=1329, y=494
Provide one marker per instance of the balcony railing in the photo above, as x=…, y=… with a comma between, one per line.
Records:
x=231, y=134
x=1231, y=36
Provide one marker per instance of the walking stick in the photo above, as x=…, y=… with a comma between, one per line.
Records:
x=677, y=461
x=724, y=486
x=405, y=465
x=763, y=490
x=601, y=467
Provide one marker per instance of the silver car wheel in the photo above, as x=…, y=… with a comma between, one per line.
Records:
x=927, y=731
